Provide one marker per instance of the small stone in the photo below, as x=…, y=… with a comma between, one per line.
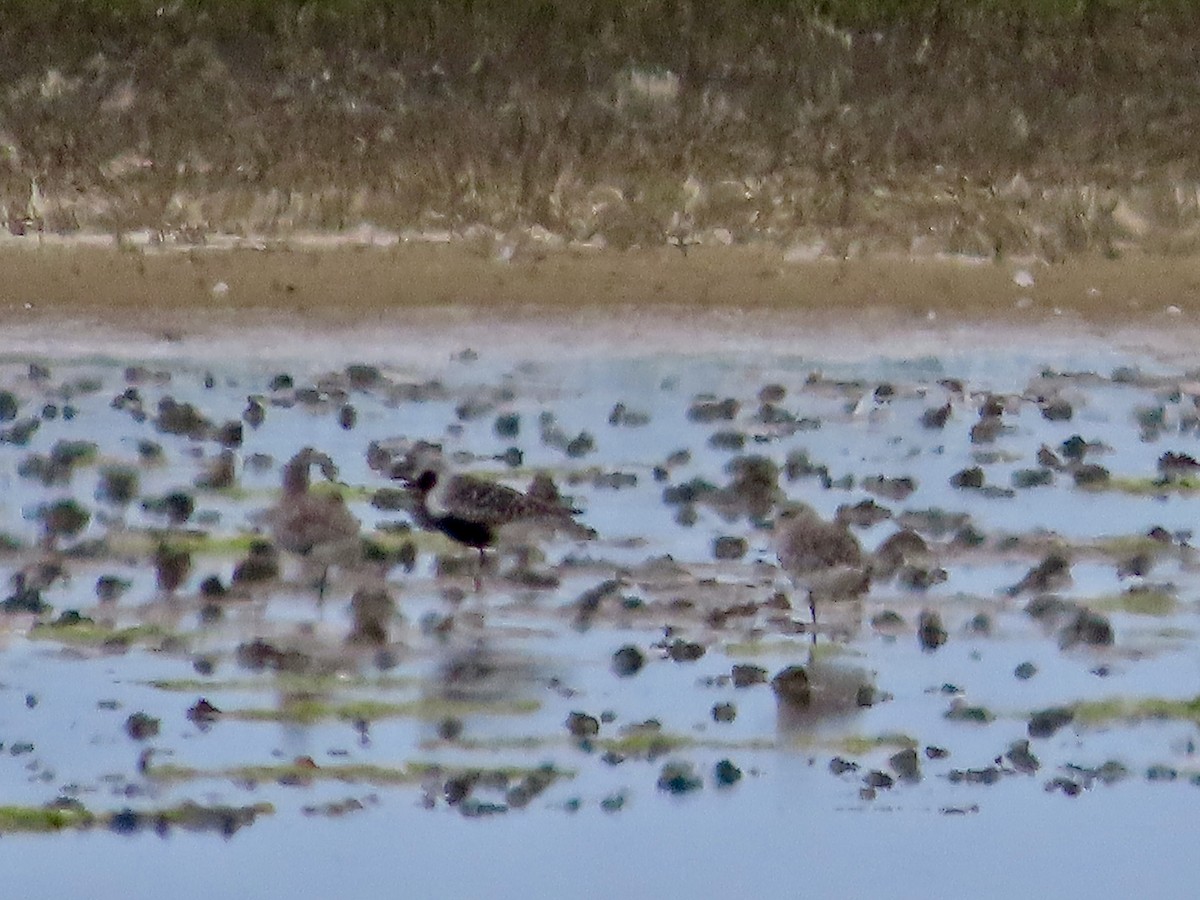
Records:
x=613, y=803
x=1057, y=410
x=772, y=393
x=935, y=417
x=580, y=445
x=1045, y=722
x=840, y=766
x=202, y=712
x=745, y=675
x=1031, y=478
x=582, y=726
x=930, y=632
x=1090, y=474
x=141, y=726
x=724, y=712
x=906, y=765
x=970, y=478
x=1021, y=758
x=363, y=376
x=888, y=621
x=680, y=650
x=879, y=780
x=125, y=822
x=679, y=778
x=728, y=547
x=986, y=775
x=791, y=685
x=728, y=440
x=1088, y=628
x=507, y=425
x=109, y=588
x=1025, y=671
x=726, y=774
x=711, y=410
x=627, y=661
x=211, y=588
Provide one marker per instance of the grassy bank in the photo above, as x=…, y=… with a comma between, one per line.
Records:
x=991, y=127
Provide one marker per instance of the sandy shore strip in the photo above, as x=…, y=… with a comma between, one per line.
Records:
x=413, y=284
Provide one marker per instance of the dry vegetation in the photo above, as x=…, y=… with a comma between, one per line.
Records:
x=996, y=127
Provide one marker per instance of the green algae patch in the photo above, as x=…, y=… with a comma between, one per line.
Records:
x=304, y=771
x=87, y=632
x=1146, y=486
x=351, y=493
x=980, y=715
x=753, y=649
x=288, y=682
x=1123, y=546
x=862, y=744
x=44, y=819
x=66, y=815
x=309, y=710
x=1119, y=710
x=293, y=773
x=801, y=646
x=644, y=743
x=141, y=542
x=1149, y=602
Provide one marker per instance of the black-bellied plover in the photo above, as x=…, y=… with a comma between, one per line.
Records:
x=317, y=527
x=473, y=512
x=823, y=558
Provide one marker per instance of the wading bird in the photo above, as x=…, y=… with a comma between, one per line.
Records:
x=317, y=527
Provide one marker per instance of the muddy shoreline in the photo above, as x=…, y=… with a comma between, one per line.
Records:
x=406, y=283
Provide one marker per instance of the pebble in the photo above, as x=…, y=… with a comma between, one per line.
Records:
x=906, y=765
x=726, y=774
x=930, y=632
x=679, y=778
x=791, y=685
x=724, y=712
x=581, y=725
x=1045, y=722
x=745, y=675
x=627, y=661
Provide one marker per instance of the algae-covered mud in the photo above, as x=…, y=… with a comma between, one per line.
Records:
x=189, y=695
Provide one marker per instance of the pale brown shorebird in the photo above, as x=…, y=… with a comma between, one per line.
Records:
x=476, y=513
x=823, y=558
x=317, y=527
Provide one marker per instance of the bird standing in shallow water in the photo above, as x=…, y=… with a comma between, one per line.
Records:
x=821, y=557
x=473, y=512
x=316, y=527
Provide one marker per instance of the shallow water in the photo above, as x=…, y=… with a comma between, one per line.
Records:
x=603, y=826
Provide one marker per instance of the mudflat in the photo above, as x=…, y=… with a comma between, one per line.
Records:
x=352, y=284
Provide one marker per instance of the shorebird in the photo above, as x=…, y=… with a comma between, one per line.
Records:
x=823, y=558
x=473, y=512
x=316, y=527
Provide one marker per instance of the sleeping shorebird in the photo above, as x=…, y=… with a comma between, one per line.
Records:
x=823, y=558
x=316, y=527
x=474, y=512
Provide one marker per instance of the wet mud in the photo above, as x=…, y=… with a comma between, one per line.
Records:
x=1022, y=637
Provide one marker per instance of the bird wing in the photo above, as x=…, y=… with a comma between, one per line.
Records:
x=495, y=504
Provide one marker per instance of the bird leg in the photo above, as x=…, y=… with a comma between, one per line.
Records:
x=479, y=572
x=322, y=582
x=812, y=608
